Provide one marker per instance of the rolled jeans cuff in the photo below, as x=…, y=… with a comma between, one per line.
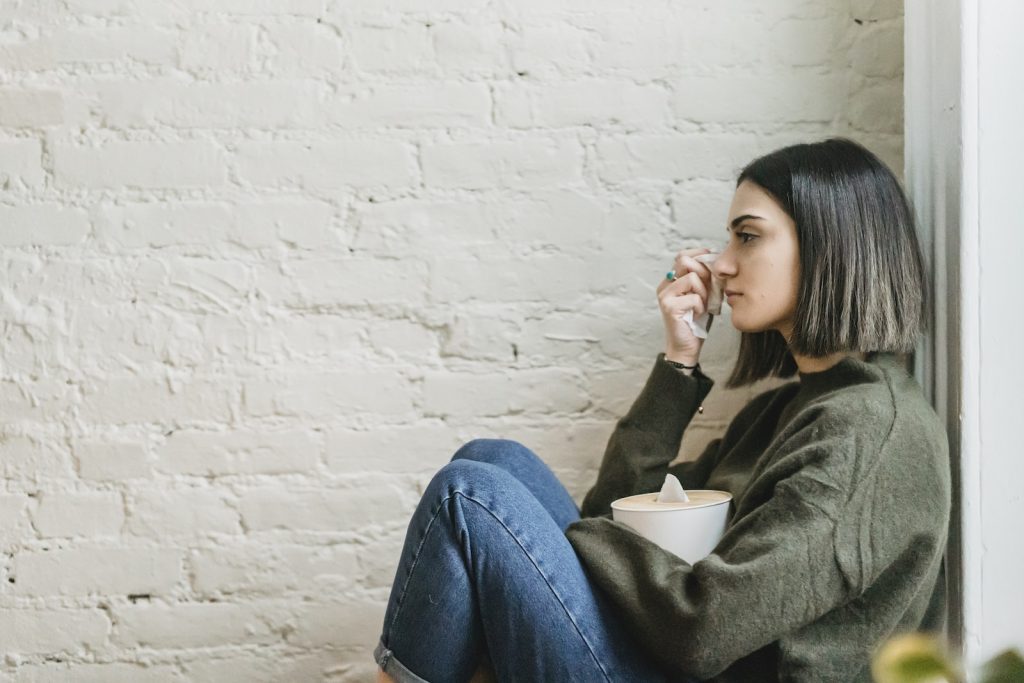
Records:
x=392, y=667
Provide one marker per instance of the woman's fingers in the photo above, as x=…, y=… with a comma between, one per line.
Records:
x=686, y=263
x=693, y=251
x=689, y=283
x=676, y=306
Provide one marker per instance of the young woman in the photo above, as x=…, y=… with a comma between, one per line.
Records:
x=840, y=479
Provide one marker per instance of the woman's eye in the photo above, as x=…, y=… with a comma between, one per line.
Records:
x=744, y=235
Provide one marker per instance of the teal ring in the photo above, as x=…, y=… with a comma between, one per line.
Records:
x=670, y=275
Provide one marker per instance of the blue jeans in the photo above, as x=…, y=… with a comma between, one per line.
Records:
x=487, y=570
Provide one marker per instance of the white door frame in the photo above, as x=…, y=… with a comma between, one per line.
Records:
x=964, y=142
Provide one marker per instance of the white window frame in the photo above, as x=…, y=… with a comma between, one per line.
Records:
x=964, y=146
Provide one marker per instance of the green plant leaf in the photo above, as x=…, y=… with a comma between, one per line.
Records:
x=912, y=658
x=1006, y=667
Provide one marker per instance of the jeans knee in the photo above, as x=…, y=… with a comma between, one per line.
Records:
x=493, y=451
x=464, y=475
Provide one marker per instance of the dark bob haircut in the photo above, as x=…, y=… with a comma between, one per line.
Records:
x=862, y=273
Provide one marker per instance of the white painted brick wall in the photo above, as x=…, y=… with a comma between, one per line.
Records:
x=267, y=263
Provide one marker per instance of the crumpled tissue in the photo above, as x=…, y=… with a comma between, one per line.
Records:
x=702, y=323
x=672, y=491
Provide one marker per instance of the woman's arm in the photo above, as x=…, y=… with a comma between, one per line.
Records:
x=774, y=571
x=647, y=439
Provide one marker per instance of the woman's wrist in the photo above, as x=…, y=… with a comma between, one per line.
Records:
x=685, y=368
x=681, y=359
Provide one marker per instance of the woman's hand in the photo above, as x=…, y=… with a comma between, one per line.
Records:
x=688, y=292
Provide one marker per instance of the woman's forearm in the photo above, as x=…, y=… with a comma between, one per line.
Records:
x=647, y=438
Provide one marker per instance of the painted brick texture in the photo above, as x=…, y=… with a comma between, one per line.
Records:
x=267, y=263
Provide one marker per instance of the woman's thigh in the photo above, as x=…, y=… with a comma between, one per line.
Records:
x=529, y=469
x=486, y=566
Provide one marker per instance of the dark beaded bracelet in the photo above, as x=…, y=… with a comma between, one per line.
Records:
x=695, y=368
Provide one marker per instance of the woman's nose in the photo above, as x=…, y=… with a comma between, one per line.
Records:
x=724, y=266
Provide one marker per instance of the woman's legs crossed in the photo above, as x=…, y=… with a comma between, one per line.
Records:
x=487, y=566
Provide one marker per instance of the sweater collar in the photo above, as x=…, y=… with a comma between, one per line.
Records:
x=851, y=370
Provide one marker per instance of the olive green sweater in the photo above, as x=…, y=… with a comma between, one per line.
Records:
x=841, y=502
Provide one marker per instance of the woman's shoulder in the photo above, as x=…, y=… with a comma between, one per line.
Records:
x=869, y=402
x=856, y=401
x=882, y=393
x=884, y=414
x=861, y=403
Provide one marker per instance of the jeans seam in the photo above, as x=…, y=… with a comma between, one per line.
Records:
x=416, y=560
x=539, y=571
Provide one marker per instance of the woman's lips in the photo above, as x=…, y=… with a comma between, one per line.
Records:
x=729, y=294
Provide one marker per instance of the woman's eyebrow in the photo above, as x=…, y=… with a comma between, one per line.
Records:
x=739, y=219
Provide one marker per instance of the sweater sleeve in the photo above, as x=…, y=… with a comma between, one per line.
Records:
x=774, y=571
x=647, y=438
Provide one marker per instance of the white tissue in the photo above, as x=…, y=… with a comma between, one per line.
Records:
x=672, y=491
x=701, y=324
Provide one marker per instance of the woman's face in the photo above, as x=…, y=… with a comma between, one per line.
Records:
x=761, y=262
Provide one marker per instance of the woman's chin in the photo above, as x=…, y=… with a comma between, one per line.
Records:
x=739, y=323
x=742, y=325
